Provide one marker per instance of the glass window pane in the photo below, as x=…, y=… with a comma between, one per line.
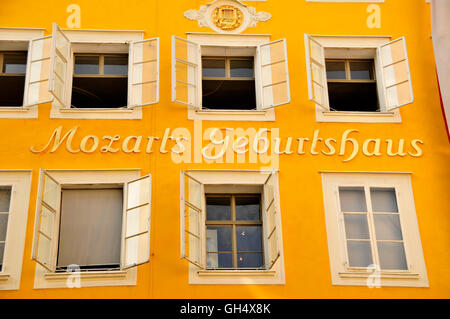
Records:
x=250, y=260
x=387, y=227
x=392, y=256
x=87, y=64
x=213, y=68
x=2, y=252
x=5, y=197
x=218, y=208
x=248, y=208
x=335, y=70
x=241, y=68
x=248, y=238
x=218, y=239
x=352, y=199
x=356, y=226
x=384, y=200
x=361, y=70
x=219, y=260
x=359, y=253
x=3, y=226
x=116, y=64
x=15, y=63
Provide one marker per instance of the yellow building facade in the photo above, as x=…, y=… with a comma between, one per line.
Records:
x=351, y=202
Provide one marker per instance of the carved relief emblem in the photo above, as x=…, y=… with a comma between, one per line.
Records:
x=227, y=17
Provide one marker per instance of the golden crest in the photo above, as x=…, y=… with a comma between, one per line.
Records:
x=227, y=17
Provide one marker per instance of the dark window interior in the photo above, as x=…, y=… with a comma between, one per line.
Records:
x=12, y=78
x=352, y=85
x=228, y=83
x=100, y=81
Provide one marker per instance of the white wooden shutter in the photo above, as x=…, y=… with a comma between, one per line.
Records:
x=136, y=223
x=144, y=72
x=46, y=222
x=191, y=219
x=274, y=74
x=271, y=209
x=396, y=74
x=316, y=72
x=185, y=72
x=38, y=68
x=59, y=63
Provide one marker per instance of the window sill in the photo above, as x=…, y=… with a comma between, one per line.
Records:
x=232, y=115
x=358, y=117
x=18, y=112
x=4, y=277
x=383, y=275
x=116, y=274
x=93, y=113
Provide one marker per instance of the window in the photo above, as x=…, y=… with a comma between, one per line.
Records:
x=100, y=81
x=231, y=227
x=364, y=78
x=230, y=77
x=14, y=199
x=12, y=77
x=109, y=93
x=234, y=232
x=101, y=227
x=377, y=229
x=228, y=83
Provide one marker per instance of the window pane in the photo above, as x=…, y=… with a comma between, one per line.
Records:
x=241, y=68
x=335, y=70
x=356, y=226
x=116, y=65
x=213, y=68
x=352, y=199
x=219, y=260
x=87, y=64
x=3, y=226
x=387, y=227
x=90, y=227
x=392, y=256
x=361, y=70
x=218, y=208
x=384, y=200
x=359, y=253
x=218, y=239
x=248, y=238
x=15, y=63
x=5, y=197
x=2, y=251
x=250, y=260
x=247, y=208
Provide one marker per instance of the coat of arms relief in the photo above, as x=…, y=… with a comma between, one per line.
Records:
x=227, y=16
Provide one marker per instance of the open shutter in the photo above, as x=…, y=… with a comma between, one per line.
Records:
x=59, y=63
x=38, y=68
x=46, y=223
x=191, y=219
x=185, y=68
x=396, y=74
x=136, y=222
x=144, y=72
x=274, y=74
x=271, y=209
x=316, y=72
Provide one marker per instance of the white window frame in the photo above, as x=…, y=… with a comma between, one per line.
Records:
x=354, y=42
x=341, y=273
x=230, y=41
x=127, y=275
x=105, y=41
x=225, y=180
x=15, y=39
x=20, y=183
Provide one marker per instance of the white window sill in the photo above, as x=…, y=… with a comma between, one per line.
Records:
x=232, y=115
x=383, y=275
x=4, y=277
x=96, y=113
x=357, y=117
x=236, y=272
x=116, y=274
x=18, y=112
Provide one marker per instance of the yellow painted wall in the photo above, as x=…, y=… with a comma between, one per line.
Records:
x=306, y=258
